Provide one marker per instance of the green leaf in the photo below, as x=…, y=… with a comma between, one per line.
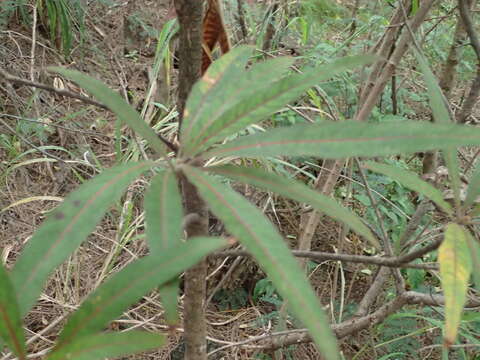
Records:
x=455, y=269
x=473, y=188
x=260, y=98
x=67, y=227
x=116, y=104
x=226, y=86
x=208, y=93
x=474, y=248
x=435, y=96
x=164, y=215
x=412, y=181
x=349, y=138
x=441, y=114
x=108, y=345
x=130, y=284
x=11, y=330
x=416, y=277
x=258, y=235
x=299, y=192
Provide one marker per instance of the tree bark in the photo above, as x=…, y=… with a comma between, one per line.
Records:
x=190, y=17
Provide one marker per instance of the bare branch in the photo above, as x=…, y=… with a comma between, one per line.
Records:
x=14, y=79
x=356, y=324
x=393, y=262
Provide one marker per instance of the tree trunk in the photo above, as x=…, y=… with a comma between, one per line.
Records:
x=190, y=16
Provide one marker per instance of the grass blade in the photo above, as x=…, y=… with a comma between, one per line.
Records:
x=299, y=192
x=412, y=181
x=130, y=284
x=349, y=138
x=258, y=235
x=11, y=330
x=164, y=215
x=67, y=227
x=108, y=345
x=115, y=103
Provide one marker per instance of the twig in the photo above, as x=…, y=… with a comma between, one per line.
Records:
x=394, y=262
x=34, y=42
x=40, y=122
x=354, y=325
x=399, y=283
x=223, y=280
x=26, y=141
x=472, y=97
x=414, y=222
x=8, y=77
x=14, y=79
x=469, y=27
x=373, y=291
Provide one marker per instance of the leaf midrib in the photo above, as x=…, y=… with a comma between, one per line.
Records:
x=266, y=253
x=219, y=151
x=75, y=219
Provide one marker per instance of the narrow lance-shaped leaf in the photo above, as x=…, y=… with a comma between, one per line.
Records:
x=67, y=227
x=11, y=330
x=441, y=114
x=349, y=138
x=130, y=284
x=455, y=269
x=108, y=345
x=299, y=192
x=212, y=85
x=411, y=181
x=116, y=104
x=257, y=234
x=163, y=215
x=263, y=74
x=265, y=100
x=225, y=87
x=435, y=96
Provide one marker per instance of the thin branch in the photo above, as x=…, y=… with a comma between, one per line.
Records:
x=14, y=79
x=355, y=324
x=399, y=283
x=373, y=291
x=393, y=262
x=466, y=111
x=469, y=27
